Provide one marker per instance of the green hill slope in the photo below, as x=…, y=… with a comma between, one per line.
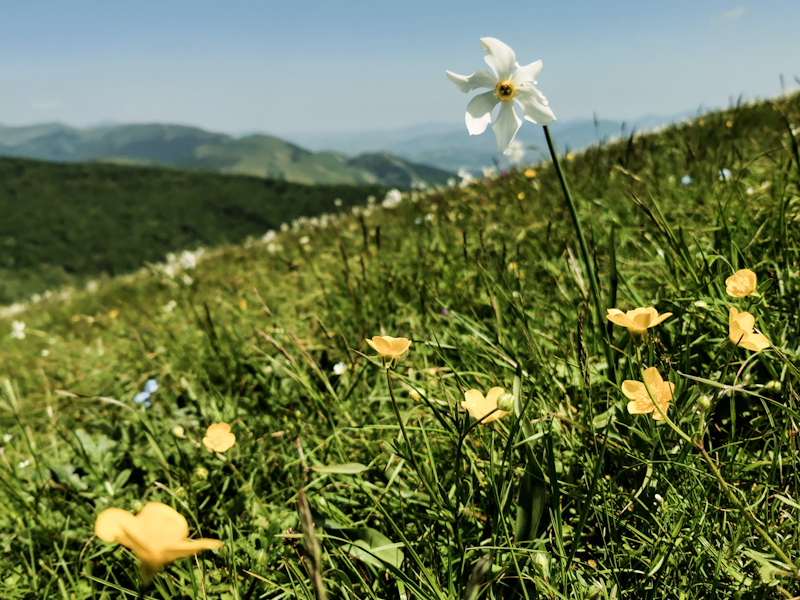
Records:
x=395, y=489
x=194, y=148
x=65, y=223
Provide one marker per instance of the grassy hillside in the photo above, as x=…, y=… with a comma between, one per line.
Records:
x=569, y=496
x=194, y=148
x=65, y=223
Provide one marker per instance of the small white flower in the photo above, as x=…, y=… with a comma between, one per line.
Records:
x=466, y=177
x=507, y=85
x=18, y=330
x=7, y=437
x=169, y=306
x=188, y=260
x=272, y=247
x=658, y=498
x=337, y=202
x=686, y=180
x=269, y=236
x=451, y=182
x=515, y=152
x=91, y=287
x=392, y=199
x=45, y=353
x=186, y=279
x=24, y=464
x=305, y=240
x=339, y=368
x=284, y=227
x=489, y=171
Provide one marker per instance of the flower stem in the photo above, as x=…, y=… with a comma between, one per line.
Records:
x=588, y=263
x=410, y=449
x=742, y=509
x=724, y=485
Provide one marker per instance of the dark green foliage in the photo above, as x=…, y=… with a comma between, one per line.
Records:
x=62, y=222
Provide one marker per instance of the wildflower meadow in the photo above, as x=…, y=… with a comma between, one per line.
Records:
x=575, y=379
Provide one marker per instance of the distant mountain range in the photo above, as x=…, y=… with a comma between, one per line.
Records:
x=399, y=158
x=193, y=148
x=450, y=147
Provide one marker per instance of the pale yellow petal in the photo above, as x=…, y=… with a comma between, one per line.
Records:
x=618, y=318
x=635, y=390
x=640, y=407
x=653, y=379
x=642, y=320
x=494, y=393
x=109, y=525
x=398, y=346
x=185, y=548
x=660, y=319
x=746, y=321
x=160, y=521
x=755, y=342
x=381, y=345
x=664, y=406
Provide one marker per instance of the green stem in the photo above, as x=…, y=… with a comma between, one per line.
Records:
x=742, y=509
x=588, y=263
x=724, y=485
x=410, y=449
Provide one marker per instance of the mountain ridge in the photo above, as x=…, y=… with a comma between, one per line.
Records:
x=188, y=147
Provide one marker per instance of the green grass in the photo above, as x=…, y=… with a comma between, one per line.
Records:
x=571, y=497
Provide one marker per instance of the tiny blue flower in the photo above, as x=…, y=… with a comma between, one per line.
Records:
x=445, y=312
x=686, y=180
x=725, y=174
x=142, y=397
x=151, y=386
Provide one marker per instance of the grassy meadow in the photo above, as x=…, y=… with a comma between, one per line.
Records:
x=352, y=481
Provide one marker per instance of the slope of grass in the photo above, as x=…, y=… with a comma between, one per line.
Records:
x=65, y=223
x=570, y=496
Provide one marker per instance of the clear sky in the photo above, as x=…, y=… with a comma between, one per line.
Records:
x=322, y=65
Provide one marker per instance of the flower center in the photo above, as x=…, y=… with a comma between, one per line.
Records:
x=505, y=91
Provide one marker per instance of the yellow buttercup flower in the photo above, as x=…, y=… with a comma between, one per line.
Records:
x=156, y=536
x=641, y=401
x=740, y=331
x=530, y=173
x=479, y=406
x=389, y=348
x=638, y=320
x=219, y=437
x=741, y=284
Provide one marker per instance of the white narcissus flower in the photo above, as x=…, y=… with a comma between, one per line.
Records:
x=507, y=85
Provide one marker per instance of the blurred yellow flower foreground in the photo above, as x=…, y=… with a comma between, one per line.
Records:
x=741, y=284
x=479, y=406
x=740, y=331
x=389, y=348
x=157, y=535
x=219, y=437
x=641, y=401
x=638, y=320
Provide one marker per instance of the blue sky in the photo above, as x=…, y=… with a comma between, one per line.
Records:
x=313, y=65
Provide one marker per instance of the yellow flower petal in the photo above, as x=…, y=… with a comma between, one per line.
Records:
x=741, y=284
x=156, y=536
x=219, y=437
x=389, y=347
x=618, y=317
x=635, y=390
x=479, y=406
x=108, y=526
